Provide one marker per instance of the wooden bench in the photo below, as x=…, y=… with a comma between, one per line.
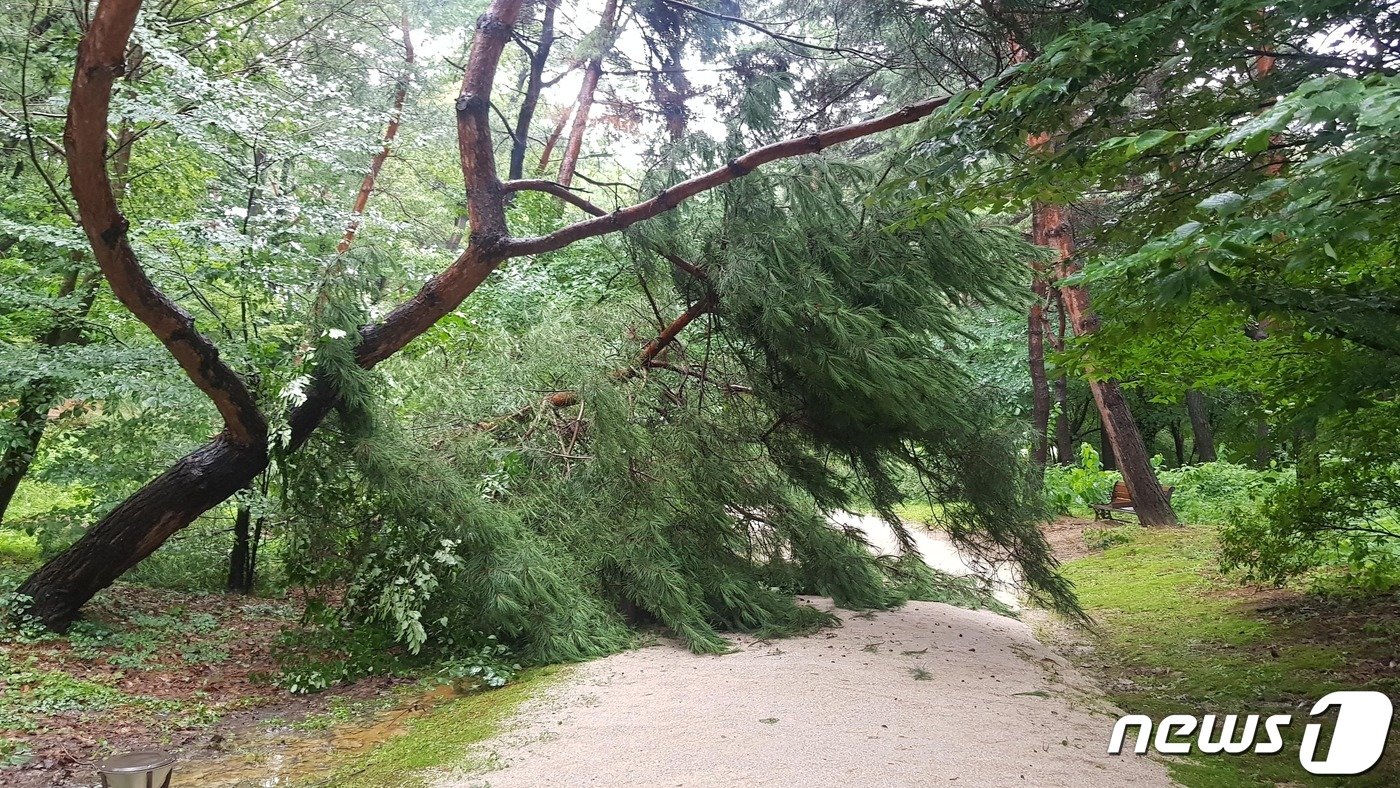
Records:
x=1122, y=501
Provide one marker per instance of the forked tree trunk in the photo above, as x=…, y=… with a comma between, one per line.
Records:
x=1202, y=435
x=1150, y=503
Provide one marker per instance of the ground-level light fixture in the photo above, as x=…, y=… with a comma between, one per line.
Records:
x=145, y=769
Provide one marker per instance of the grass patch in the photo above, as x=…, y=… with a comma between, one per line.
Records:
x=18, y=549
x=1183, y=639
x=442, y=737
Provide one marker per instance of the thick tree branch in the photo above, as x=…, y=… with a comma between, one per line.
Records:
x=623, y=218
x=559, y=190
x=485, y=206
x=101, y=59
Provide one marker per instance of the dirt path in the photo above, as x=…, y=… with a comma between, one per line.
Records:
x=925, y=695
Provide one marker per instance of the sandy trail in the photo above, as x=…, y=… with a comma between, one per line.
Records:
x=925, y=695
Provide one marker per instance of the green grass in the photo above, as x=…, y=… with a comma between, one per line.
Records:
x=443, y=736
x=18, y=549
x=1183, y=643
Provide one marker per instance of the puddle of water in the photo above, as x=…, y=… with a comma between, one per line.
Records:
x=282, y=757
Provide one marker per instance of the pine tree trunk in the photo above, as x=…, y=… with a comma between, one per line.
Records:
x=592, y=72
x=1201, y=433
x=140, y=524
x=1129, y=452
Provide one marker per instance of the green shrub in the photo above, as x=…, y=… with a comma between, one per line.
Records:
x=1210, y=492
x=1342, y=516
x=1074, y=489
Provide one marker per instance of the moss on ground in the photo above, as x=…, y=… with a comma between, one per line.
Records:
x=1180, y=638
x=443, y=737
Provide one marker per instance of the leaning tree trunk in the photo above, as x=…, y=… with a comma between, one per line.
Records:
x=140, y=524
x=1202, y=435
x=1129, y=452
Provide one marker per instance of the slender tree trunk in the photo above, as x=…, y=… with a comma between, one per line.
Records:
x=552, y=140
x=591, y=74
x=1150, y=503
x=240, y=574
x=1263, y=446
x=1201, y=433
x=391, y=131
x=1040, y=390
x=533, y=85
x=1106, y=458
x=1178, y=442
x=1064, y=431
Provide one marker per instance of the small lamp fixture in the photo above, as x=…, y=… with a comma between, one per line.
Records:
x=145, y=769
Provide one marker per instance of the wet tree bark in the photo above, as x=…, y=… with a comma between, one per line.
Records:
x=1202, y=435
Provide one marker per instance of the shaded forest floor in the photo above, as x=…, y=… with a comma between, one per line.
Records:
x=188, y=673
x=1174, y=636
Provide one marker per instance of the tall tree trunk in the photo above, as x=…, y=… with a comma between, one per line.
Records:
x=1064, y=431
x=391, y=131
x=1178, y=442
x=592, y=72
x=1150, y=503
x=1040, y=389
x=1202, y=435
